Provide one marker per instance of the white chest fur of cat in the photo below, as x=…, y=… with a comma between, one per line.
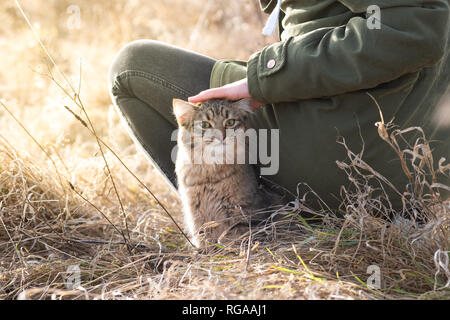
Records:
x=219, y=192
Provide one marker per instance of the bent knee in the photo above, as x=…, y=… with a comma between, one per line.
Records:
x=133, y=56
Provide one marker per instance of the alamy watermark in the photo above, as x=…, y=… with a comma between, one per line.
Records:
x=73, y=281
x=231, y=146
x=373, y=17
x=374, y=280
x=74, y=20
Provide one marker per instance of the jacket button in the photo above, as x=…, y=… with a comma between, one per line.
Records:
x=271, y=63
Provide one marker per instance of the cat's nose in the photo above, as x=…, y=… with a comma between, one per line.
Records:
x=219, y=136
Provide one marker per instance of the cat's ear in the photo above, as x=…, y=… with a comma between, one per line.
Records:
x=244, y=104
x=181, y=109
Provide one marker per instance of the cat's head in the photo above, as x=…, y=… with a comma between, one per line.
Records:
x=216, y=114
x=215, y=123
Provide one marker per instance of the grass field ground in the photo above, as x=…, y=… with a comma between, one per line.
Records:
x=63, y=199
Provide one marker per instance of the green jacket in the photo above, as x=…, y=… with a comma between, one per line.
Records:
x=314, y=82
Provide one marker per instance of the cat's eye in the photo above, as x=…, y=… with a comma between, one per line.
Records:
x=206, y=125
x=230, y=123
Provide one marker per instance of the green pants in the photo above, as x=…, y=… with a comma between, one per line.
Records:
x=144, y=78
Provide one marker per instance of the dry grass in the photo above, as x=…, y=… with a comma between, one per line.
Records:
x=59, y=208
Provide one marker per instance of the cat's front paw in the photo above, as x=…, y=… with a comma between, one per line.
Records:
x=222, y=234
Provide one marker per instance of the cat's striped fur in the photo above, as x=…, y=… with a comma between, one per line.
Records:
x=217, y=198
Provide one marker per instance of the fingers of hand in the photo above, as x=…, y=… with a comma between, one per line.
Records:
x=210, y=94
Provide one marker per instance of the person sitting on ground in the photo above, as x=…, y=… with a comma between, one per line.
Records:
x=312, y=85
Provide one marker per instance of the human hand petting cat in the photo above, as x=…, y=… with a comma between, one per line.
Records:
x=233, y=91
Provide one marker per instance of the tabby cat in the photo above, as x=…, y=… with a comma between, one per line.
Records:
x=220, y=194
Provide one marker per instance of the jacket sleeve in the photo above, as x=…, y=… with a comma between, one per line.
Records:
x=351, y=57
